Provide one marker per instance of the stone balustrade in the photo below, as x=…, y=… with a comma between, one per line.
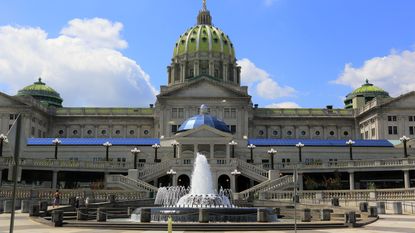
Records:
x=131, y=183
x=266, y=186
x=347, y=195
x=97, y=195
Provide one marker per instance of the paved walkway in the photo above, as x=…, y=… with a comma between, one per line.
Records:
x=386, y=224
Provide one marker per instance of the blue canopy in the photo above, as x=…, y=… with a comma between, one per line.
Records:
x=203, y=119
x=318, y=142
x=95, y=141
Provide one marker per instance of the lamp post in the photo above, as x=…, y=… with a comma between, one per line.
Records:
x=233, y=144
x=107, y=149
x=175, y=144
x=156, y=147
x=3, y=139
x=251, y=147
x=56, y=142
x=171, y=173
x=405, y=139
x=271, y=153
x=350, y=144
x=299, y=146
x=135, y=152
x=234, y=173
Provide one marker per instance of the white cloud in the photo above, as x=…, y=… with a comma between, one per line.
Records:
x=394, y=72
x=283, y=105
x=82, y=64
x=266, y=87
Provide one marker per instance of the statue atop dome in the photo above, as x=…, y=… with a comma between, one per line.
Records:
x=204, y=17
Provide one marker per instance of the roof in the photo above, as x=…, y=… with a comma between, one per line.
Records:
x=319, y=142
x=95, y=141
x=203, y=119
x=40, y=91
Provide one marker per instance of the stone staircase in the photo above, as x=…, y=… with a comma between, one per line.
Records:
x=268, y=185
x=154, y=171
x=251, y=171
x=125, y=182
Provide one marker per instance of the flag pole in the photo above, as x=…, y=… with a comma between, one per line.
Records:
x=15, y=166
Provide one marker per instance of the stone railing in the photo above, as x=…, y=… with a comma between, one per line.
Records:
x=131, y=183
x=47, y=194
x=250, y=168
x=352, y=164
x=66, y=164
x=345, y=195
x=266, y=186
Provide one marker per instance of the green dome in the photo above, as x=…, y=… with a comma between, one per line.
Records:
x=204, y=38
x=40, y=91
x=368, y=91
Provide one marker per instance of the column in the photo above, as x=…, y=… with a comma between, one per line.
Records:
x=228, y=151
x=225, y=71
x=106, y=174
x=54, y=179
x=179, y=151
x=195, y=149
x=212, y=151
x=351, y=180
x=211, y=69
x=196, y=69
x=174, y=180
x=233, y=183
x=300, y=181
x=406, y=180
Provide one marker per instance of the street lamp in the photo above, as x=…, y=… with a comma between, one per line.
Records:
x=175, y=144
x=156, y=147
x=350, y=143
x=404, y=139
x=271, y=153
x=171, y=173
x=251, y=147
x=107, y=149
x=135, y=152
x=299, y=146
x=3, y=139
x=233, y=144
x=56, y=142
x=235, y=172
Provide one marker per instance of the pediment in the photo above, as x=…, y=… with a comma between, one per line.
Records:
x=8, y=101
x=205, y=88
x=404, y=101
x=204, y=131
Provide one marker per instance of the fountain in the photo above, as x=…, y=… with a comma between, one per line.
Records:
x=199, y=203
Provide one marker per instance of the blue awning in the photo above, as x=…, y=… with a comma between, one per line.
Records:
x=318, y=142
x=95, y=141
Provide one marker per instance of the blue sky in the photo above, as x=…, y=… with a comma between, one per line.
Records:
x=312, y=52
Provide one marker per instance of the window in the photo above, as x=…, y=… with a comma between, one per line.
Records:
x=177, y=112
x=345, y=133
x=146, y=132
x=229, y=112
x=391, y=118
x=275, y=132
x=174, y=128
x=289, y=133
x=317, y=132
x=331, y=133
x=103, y=132
x=132, y=132
x=303, y=133
x=411, y=130
x=60, y=132
x=75, y=132
x=393, y=130
x=411, y=118
x=117, y=132
x=232, y=128
x=89, y=132
x=261, y=132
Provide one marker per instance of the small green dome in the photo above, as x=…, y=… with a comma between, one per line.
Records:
x=45, y=94
x=368, y=91
x=204, y=38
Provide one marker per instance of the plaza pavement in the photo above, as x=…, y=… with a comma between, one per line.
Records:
x=386, y=224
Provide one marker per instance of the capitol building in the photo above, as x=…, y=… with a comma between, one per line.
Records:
x=204, y=109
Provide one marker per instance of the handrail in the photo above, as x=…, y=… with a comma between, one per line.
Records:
x=131, y=182
x=267, y=186
x=244, y=166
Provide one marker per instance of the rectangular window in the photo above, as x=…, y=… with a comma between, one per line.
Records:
x=411, y=118
x=232, y=128
x=181, y=113
x=391, y=118
x=395, y=130
x=229, y=113
x=177, y=112
x=411, y=130
x=174, y=112
x=174, y=128
x=390, y=130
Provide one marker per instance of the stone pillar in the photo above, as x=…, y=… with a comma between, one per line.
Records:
x=381, y=207
x=211, y=69
x=106, y=174
x=195, y=149
x=101, y=215
x=351, y=180
x=25, y=206
x=57, y=218
x=300, y=181
x=203, y=215
x=174, y=178
x=54, y=179
x=397, y=207
x=406, y=180
x=196, y=69
x=212, y=151
x=325, y=214
x=262, y=215
x=233, y=183
x=7, y=206
x=225, y=71
x=228, y=151
x=82, y=214
x=179, y=151
x=145, y=215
